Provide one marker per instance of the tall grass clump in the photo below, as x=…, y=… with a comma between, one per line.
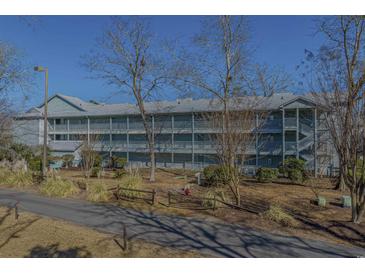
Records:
x=208, y=199
x=97, y=192
x=58, y=187
x=18, y=179
x=133, y=180
x=276, y=214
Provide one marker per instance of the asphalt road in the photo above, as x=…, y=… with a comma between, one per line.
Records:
x=212, y=238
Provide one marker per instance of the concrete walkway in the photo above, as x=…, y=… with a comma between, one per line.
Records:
x=212, y=238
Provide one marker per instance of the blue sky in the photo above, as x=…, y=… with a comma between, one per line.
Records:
x=58, y=42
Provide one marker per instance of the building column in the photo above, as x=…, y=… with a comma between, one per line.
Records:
x=172, y=138
x=297, y=133
x=315, y=143
x=110, y=132
x=256, y=140
x=153, y=135
x=127, y=138
x=54, y=130
x=283, y=135
x=192, y=139
x=68, y=129
x=88, y=130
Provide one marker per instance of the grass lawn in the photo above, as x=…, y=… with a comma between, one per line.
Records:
x=36, y=236
x=330, y=223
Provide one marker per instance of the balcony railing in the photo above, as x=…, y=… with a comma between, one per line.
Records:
x=291, y=122
x=100, y=126
x=60, y=127
x=182, y=144
x=78, y=127
x=120, y=143
x=182, y=125
x=271, y=124
x=290, y=146
x=269, y=146
x=202, y=124
x=119, y=126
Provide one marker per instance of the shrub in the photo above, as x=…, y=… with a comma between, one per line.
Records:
x=209, y=173
x=215, y=174
x=131, y=181
x=264, y=174
x=277, y=214
x=295, y=175
x=118, y=162
x=98, y=160
x=59, y=187
x=97, y=192
x=119, y=173
x=294, y=169
x=96, y=171
x=35, y=163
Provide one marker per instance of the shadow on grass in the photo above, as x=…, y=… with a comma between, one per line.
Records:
x=54, y=251
x=345, y=231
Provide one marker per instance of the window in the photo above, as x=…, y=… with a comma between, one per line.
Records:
x=61, y=137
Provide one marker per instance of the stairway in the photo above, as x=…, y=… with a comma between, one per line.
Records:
x=306, y=143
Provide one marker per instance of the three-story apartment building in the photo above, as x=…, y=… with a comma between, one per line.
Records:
x=293, y=127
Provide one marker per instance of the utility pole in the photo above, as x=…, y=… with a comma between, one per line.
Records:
x=45, y=117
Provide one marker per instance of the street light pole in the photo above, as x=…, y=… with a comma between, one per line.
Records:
x=45, y=117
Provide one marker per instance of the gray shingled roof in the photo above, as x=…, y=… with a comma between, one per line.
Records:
x=179, y=106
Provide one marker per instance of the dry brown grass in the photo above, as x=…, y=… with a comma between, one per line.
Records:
x=277, y=214
x=35, y=236
x=331, y=223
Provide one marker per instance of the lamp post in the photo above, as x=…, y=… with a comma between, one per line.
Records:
x=45, y=126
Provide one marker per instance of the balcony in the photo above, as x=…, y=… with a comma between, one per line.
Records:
x=291, y=122
x=99, y=126
x=202, y=124
x=138, y=144
x=182, y=145
x=290, y=146
x=78, y=127
x=182, y=125
x=271, y=124
x=60, y=127
x=270, y=146
x=205, y=145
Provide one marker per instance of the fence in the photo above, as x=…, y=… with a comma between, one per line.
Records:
x=190, y=199
x=119, y=196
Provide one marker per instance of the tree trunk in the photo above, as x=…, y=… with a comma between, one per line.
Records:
x=238, y=196
x=340, y=183
x=153, y=164
x=357, y=210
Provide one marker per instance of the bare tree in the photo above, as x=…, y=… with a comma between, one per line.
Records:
x=234, y=140
x=124, y=59
x=13, y=78
x=339, y=84
x=88, y=152
x=219, y=67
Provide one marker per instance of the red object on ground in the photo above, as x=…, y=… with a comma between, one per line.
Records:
x=187, y=191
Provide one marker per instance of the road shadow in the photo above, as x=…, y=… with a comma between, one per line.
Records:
x=216, y=239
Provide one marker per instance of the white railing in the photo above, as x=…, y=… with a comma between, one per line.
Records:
x=78, y=127
x=182, y=125
x=182, y=144
x=60, y=127
x=290, y=146
x=291, y=122
x=99, y=126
